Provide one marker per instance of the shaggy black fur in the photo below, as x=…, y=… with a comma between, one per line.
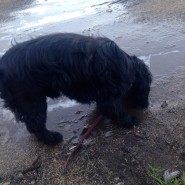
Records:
x=82, y=68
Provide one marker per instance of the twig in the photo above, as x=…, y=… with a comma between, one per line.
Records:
x=80, y=143
x=35, y=165
x=82, y=117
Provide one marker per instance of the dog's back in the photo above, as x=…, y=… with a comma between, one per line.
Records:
x=64, y=63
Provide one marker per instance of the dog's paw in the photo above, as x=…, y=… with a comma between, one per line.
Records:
x=51, y=138
x=130, y=122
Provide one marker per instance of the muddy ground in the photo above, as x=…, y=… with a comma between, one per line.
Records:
x=155, y=32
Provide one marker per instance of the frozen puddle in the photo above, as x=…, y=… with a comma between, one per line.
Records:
x=147, y=59
x=164, y=62
x=7, y=115
x=62, y=104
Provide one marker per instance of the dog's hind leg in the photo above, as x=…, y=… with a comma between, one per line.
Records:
x=114, y=110
x=34, y=114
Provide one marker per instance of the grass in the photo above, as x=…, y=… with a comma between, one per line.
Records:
x=156, y=174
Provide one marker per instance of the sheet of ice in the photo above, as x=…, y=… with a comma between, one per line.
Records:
x=62, y=104
x=147, y=59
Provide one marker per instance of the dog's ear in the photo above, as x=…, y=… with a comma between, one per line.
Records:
x=147, y=74
x=143, y=71
x=139, y=92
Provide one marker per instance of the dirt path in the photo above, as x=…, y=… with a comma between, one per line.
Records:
x=152, y=31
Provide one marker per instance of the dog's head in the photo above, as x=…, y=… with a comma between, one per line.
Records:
x=138, y=95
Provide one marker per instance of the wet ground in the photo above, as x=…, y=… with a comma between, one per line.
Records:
x=155, y=32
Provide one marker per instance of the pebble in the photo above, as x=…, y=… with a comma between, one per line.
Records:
x=75, y=141
x=120, y=183
x=117, y=179
x=164, y=104
x=87, y=142
x=170, y=46
x=74, y=131
x=108, y=134
x=6, y=183
x=109, y=10
x=170, y=175
x=79, y=111
x=20, y=175
x=32, y=182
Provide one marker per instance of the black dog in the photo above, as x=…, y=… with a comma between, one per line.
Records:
x=82, y=68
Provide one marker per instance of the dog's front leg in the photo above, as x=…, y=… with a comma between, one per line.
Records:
x=34, y=115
